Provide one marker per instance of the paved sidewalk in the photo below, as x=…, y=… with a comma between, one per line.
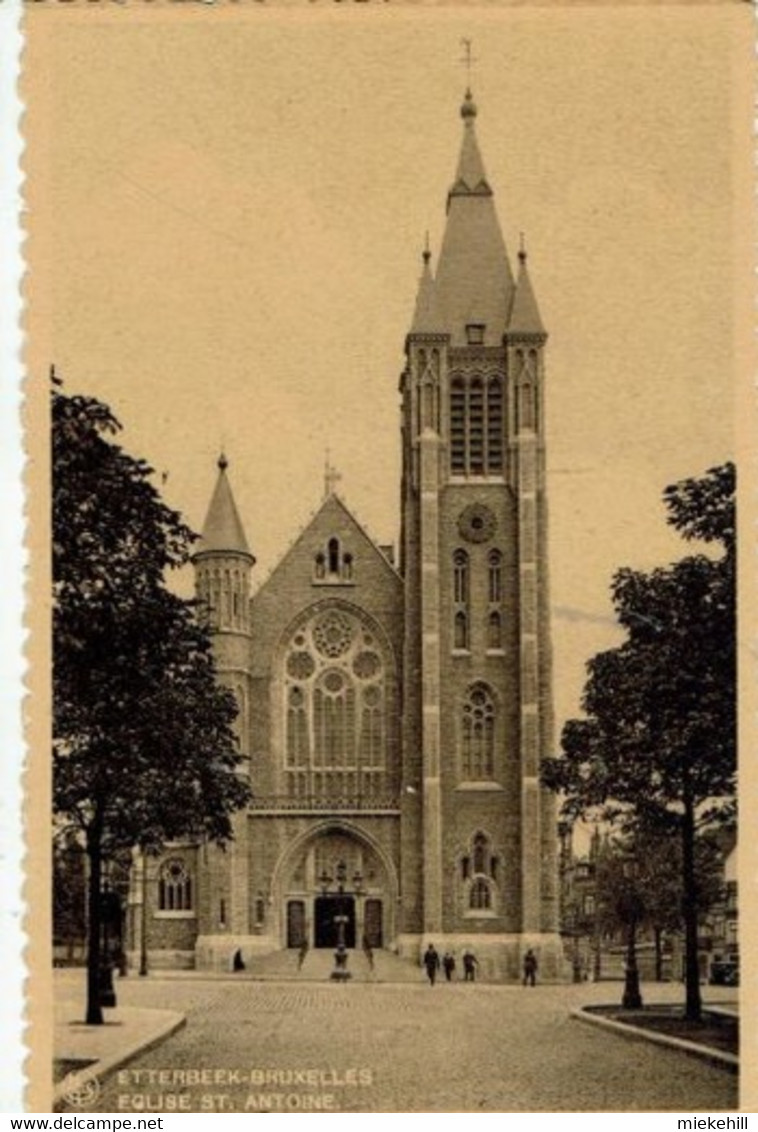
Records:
x=85, y=1052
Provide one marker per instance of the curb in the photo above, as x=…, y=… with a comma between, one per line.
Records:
x=717, y=1057
x=101, y=1069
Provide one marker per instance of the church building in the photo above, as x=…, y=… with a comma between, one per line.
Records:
x=393, y=709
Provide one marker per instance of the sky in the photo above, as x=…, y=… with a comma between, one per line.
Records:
x=229, y=209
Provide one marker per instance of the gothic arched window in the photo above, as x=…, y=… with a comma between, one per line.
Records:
x=174, y=886
x=335, y=708
x=480, y=896
x=495, y=564
x=460, y=577
x=457, y=427
x=476, y=427
x=333, y=553
x=494, y=426
x=461, y=582
x=477, y=735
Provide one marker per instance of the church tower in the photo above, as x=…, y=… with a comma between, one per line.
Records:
x=479, y=838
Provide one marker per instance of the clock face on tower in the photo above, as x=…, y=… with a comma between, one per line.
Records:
x=476, y=523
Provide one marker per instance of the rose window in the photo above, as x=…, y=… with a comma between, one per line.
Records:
x=333, y=634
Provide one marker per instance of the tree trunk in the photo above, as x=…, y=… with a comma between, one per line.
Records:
x=658, y=933
x=94, y=852
x=693, y=1006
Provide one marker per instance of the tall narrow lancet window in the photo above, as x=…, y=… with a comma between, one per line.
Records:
x=494, y=426
x=495, y=563
x=460, y=577
x=457, y=427
x=476, y=427
x=333, y=555
x=495, y=597
x=461, y=583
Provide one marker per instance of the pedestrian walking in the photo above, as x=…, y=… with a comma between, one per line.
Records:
x=238, y=963
x=368, y=951
x=530, y=968
x=470, y=964
x=432, y=963
x=448, y=964
x=302, y=953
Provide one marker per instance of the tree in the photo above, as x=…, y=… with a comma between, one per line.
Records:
x=143, y=747
x=656, y=877
x=656, y=749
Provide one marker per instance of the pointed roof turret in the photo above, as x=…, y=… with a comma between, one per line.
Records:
x=474, y=281
x=427, y=317
x=223, y=531
x=525, y=315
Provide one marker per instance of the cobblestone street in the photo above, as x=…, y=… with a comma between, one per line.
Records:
x=385, y=1048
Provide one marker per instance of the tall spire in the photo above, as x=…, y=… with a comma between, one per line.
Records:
x=223, y=531
x=474, y=279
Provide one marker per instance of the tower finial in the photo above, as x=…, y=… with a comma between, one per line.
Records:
x=222, y=461
x=468, y=109
x=331, y=476
x=426, y=254
x=521, y=248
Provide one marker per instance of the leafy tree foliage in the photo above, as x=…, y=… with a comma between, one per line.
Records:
x=656, y=748
x=143, y=749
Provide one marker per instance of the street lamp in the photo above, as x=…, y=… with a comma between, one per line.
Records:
x=340, y=972
x=143, y=918
x=630, y=909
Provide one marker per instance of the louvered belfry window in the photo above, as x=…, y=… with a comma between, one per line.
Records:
x=476, y=426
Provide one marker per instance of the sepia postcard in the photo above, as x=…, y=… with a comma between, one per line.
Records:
x=387, y=370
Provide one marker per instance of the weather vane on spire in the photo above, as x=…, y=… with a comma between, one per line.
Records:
x=467, y=60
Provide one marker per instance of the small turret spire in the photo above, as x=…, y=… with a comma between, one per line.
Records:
x=223, y=531
x=427, y=318
x=525, y=315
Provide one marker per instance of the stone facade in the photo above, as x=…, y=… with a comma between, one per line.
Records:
x=392, y=717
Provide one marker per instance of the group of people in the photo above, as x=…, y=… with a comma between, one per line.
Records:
x=433, y=964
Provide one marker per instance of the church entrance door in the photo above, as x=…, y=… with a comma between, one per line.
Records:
x=372, y=924
x=326, y=908
x=296, y=936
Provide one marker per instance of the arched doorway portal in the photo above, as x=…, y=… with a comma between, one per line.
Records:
x=335, y=871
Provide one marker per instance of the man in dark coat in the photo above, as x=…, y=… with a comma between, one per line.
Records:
x=470, y=964
x=530, y=968
x=432, y=963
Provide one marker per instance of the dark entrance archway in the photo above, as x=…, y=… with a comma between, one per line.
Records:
x=325, y=910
